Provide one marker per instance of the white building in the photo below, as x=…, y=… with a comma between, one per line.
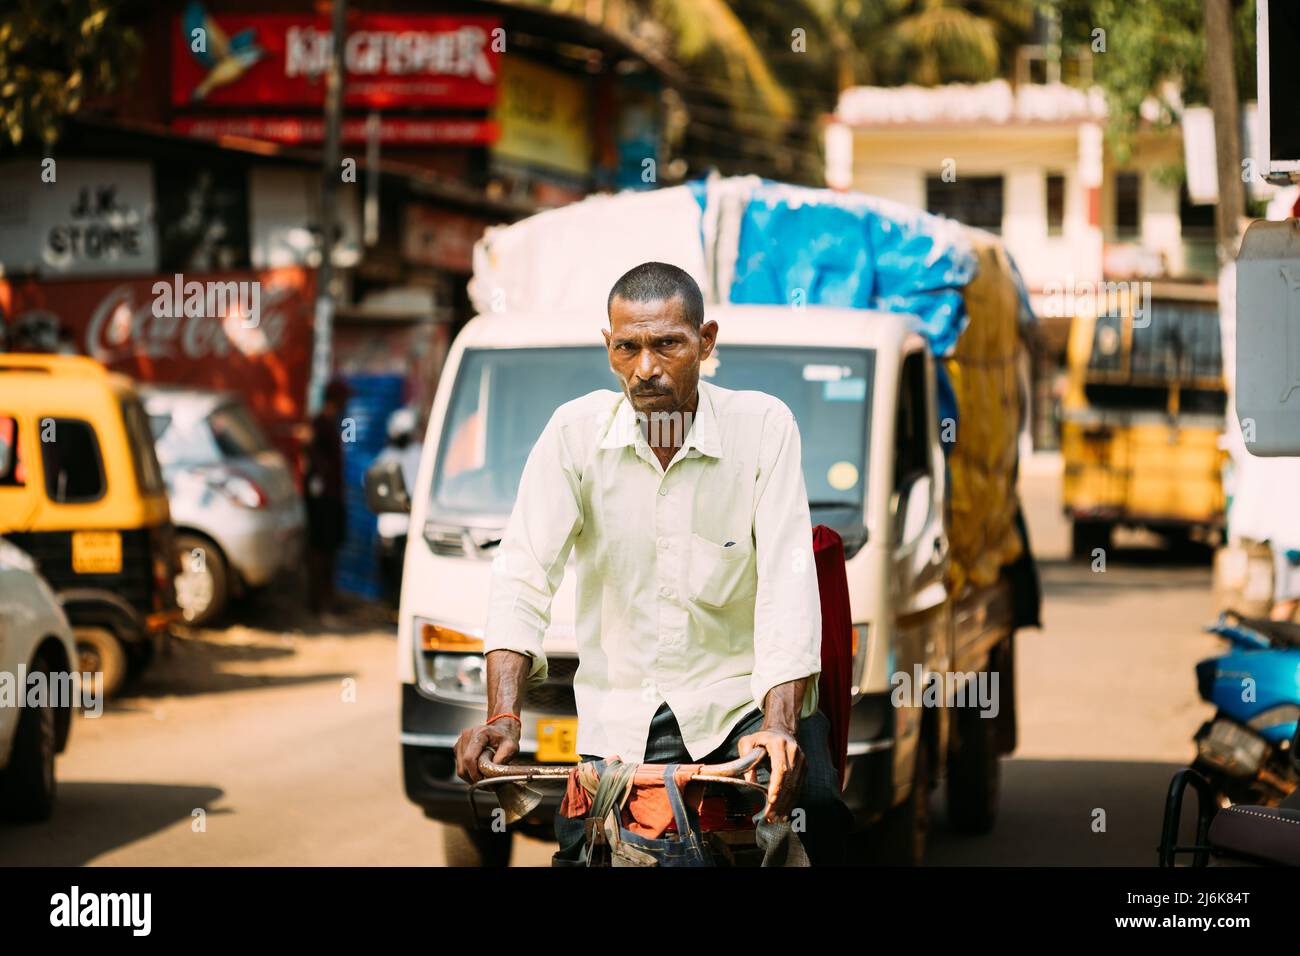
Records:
x=1029, y=162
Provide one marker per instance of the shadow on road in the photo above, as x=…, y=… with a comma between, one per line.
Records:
x=91, y=819
x=1050, y=809
x=195, y=665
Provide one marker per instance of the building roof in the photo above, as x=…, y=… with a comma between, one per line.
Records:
x=995, y=103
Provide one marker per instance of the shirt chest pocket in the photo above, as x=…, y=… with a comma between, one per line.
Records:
x=720, y=575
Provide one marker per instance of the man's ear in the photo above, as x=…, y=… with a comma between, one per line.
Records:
x=605, y=333
x=708, y=336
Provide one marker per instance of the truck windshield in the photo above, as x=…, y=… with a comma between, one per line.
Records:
x=503, y=398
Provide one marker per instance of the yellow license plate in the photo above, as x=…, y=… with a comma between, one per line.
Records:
x=557, y=740
x=96, y=552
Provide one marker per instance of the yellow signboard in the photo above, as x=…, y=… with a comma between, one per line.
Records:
x=544, y=117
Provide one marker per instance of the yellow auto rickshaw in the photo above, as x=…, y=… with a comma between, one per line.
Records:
x=82, y=493
x=1141, y=420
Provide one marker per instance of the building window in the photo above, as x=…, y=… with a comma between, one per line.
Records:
x=974, y=200
x=1196, y=221
x=1055, y=204
x=1128, y=194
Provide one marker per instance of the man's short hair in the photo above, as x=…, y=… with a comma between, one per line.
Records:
x=659, y=280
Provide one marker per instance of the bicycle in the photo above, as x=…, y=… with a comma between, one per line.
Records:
x=726, y=833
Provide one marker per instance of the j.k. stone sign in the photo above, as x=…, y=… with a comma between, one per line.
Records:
x=77, y=218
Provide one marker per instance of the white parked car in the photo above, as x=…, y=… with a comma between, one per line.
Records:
x=239, y=518
x=34, y=636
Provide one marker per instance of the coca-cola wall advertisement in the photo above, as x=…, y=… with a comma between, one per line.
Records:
x=164, y=329
x=389, y=60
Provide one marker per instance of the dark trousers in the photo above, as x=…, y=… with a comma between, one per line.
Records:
x=821, y=820
x=320, y=580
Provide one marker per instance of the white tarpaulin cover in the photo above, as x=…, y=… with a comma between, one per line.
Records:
x=567, y=259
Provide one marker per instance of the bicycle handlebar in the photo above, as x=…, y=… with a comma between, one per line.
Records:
x=731, y=769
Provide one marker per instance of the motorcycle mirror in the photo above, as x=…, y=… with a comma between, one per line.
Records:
x=386, y=488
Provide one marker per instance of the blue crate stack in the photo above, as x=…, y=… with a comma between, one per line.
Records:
x=374, y=398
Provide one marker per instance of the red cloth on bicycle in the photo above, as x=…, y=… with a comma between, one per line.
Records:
x=647, y=812
x=834, y=687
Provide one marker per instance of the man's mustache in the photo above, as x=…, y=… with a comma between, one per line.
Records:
x=639, y=392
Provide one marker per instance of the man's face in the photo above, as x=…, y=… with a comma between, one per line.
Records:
x=656, y=352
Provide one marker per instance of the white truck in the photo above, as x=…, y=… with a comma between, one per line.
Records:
x=933, y=696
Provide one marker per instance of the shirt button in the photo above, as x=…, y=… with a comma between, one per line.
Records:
x=662, y=542
x=663, y=491
x=665, y=592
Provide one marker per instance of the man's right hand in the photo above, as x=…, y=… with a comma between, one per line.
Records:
x=501, y=737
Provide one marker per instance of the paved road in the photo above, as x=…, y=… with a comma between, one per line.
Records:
x=269, y=745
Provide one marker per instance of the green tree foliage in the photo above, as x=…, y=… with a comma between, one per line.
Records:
x=1153, y=49
x=54, y=54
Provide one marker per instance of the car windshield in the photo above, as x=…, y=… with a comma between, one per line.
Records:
x=503, y=398
x=229, y=431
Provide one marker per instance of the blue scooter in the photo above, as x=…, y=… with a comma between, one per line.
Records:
x=1244, y=751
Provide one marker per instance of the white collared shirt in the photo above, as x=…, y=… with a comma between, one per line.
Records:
x=696, y=583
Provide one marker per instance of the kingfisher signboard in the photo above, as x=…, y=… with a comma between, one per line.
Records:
x=281, y=60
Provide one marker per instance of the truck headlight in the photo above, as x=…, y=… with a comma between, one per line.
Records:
x=460, y=674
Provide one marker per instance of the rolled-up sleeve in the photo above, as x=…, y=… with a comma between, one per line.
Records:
x=529, y=564
x=787, y=611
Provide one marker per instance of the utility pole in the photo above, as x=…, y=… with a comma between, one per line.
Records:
x=1221, y=78
x=322, y=354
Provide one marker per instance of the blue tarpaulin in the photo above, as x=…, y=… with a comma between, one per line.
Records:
x=820, y=247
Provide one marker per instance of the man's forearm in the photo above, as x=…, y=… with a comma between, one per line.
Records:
x=782, y=706
x=507, y=672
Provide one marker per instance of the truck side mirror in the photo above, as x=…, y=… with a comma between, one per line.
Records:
x=386, y=488
x=912, y=509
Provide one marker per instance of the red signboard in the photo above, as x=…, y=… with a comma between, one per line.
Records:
x=123, y=324
x=405, y=130
x=390, y=60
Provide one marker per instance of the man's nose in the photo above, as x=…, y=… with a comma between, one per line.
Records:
x=647, y=367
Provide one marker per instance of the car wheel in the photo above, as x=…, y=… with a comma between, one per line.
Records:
x=202, y=586
x=27, y=786
x=99, y=651
x=463, y=846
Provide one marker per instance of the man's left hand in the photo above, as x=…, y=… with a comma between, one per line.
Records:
x=787, y=771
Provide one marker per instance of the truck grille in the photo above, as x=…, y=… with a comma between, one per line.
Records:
x=555, y=695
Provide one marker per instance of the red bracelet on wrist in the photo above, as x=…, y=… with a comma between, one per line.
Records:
x=514, y=717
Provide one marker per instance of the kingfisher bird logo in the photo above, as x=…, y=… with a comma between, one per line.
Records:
x=225, y=58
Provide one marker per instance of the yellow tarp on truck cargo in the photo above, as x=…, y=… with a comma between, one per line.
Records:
x=985, y=375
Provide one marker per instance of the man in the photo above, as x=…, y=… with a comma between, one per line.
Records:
x=698, y=622
x=323, y=482
x=390, y=541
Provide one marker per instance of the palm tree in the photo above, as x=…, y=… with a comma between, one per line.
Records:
x=943, y=41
